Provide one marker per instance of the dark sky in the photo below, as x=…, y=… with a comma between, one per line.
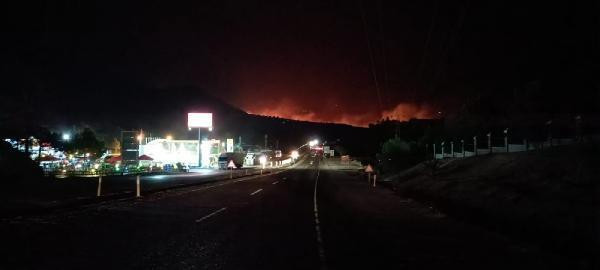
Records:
x=308, y=60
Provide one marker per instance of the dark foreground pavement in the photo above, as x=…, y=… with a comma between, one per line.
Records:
x=311, y=217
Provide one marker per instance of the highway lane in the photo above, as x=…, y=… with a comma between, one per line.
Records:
x=177, y=229
x=311, y=217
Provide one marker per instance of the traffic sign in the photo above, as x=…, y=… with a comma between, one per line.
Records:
x=231, y=164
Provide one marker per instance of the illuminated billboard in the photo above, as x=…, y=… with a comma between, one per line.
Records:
x=199, y=120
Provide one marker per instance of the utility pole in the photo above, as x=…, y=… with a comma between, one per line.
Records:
x=506, y=139
x=266, y=137
x=489, y=136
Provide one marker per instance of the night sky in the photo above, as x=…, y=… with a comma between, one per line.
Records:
x=307, y=60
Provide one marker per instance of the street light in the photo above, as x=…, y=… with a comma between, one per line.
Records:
x=66, y=137
x=295, y=155
x=169, y=137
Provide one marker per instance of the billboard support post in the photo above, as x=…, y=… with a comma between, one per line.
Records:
x=200, y=120
x=199, y=148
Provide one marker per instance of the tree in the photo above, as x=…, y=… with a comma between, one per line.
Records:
x=86, y=142
x=397, y=154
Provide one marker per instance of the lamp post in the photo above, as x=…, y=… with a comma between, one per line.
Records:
x=452, y=148
x=489, y=137
x=475, y=145
x=462, y=147
x=443, y=149
x=506, y=139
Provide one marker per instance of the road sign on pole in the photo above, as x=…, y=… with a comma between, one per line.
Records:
x=369, y=170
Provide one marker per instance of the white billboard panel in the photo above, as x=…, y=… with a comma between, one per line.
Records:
x=200, y=120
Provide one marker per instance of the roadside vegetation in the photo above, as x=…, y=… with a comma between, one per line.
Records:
x=549, y=197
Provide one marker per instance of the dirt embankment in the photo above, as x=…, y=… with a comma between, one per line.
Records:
x=550, y=197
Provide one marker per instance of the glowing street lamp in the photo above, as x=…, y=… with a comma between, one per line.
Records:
x=169, y=137
x=313, y=142
x=66, y=137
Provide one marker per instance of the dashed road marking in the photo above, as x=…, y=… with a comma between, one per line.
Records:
x=211, y=214
x=318, y=226
x=259, y=190
x=275, y=183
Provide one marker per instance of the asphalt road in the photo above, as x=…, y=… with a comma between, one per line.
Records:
x=314, y=216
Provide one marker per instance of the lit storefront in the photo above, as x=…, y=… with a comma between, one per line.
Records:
x=164, y=151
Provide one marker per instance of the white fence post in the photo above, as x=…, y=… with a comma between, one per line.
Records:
x=137, y=186
x=99, y=186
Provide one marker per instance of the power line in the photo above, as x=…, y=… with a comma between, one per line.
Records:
x=371, y=58
x=383, y=49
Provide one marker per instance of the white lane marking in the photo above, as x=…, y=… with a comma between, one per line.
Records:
x=211, y=214
x=275, y=183
x=317, y=225
x=259, y=190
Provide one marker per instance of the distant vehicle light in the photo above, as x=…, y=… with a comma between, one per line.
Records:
x=295, y=154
